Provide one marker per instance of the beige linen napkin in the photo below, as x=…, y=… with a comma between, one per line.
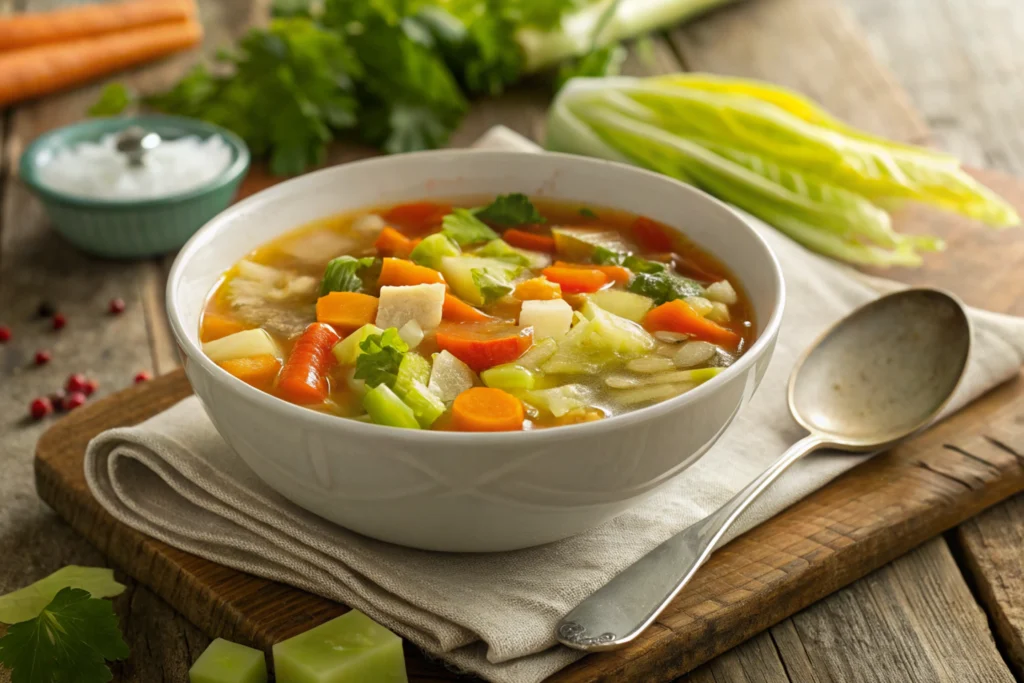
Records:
x=174, y=478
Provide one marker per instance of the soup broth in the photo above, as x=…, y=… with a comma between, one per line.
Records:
x=477, y=315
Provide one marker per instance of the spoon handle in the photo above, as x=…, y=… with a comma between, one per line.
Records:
x=625, y=606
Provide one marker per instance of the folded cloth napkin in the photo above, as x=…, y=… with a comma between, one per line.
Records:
x=174, y=478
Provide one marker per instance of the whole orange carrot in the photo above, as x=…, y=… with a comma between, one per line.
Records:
x=45, y=69
x=19, y=31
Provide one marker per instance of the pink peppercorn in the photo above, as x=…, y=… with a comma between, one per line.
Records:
x=5, y=334
x=74, y=399
x=40, y=408
x=90, y=387
x=117, y=306
x=143, y=377
x=76, y=382
x=59, y=321
x=42, y=357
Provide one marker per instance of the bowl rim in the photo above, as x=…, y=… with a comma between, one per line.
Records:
x=28, y=170
x=194, y=353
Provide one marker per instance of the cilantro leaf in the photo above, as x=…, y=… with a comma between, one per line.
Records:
x=26, y=603
x=588, y=213
x=382, y=355
x=70, y=640
x=341, y=274
x=491, y=288
x=462, y=227
x=664, y=286
x=114, y=99
x=510, y=209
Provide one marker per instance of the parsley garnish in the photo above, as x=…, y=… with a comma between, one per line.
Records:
x=587, y=213
x=491, y=288
x=26, y=603
x=462, y=227
x=510, y=209
x=381, y=356
x=341, y=274
x=71, y=640
x=650, y=278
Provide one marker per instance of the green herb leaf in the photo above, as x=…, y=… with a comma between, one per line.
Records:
x=491, y=288
x=114, y=99
x=71, y=640
x=462, y=227
x=26, y=603
x=509, y=210
x=381, y=358
x=341, y=274
x=587, y=213
x=663, y=286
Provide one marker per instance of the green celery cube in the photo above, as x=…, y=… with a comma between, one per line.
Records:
x=227, y=662
x=350, y=649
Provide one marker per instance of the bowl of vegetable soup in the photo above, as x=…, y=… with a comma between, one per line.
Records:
x=474, y=350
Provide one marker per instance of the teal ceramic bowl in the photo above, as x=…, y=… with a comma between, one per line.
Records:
x=133, y=228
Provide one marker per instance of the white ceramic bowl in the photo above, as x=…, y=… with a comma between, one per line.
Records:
x=470, y=492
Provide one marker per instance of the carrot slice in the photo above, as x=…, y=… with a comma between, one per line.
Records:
x=484, y=345
x=390, y=242
x=528, y=240
x=616, y=274
x=43, y=69
x=576, y=280
x=537, y=289
x=347, y=310
x=483, y=409
x=259, y=371
x=303, y=379
x=651, y=235
x=216, y=326
x=399, y=273
x=418, y=217
x=458, y=311
x=678, y=316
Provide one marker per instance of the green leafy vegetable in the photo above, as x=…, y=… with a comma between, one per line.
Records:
x=381, y=358
x=114, y=99
x=604, y=61
x=463, y=228
x=26, y=603
x=508, y=210
x=490, y=286
x=587, y=213
x=503, y=251
x=71, y=640
x=341, y=274
x=664, y=286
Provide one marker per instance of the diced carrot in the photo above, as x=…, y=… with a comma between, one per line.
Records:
x=458, y=311
x=347, y=311
x=216, y=326
x=651, y=235
x=537, y=289
x=259, y=371
x=303, y=379
x=678, y=316
x=390, y=242
x=399, y=273
x=528, y=240
x=483, y=409
x=616, y=274
x=484, y=345
x=576, y=280
x=418, y=217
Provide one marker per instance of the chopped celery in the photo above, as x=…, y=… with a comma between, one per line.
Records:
x=347, y=350
x=226, y=662
x=432, y=249
x=385, y=408
x=449, y=376
x=537, y=354
x=558, y=400
x=509, y=376
x=425, y=404
x=413, y=368
x=625, y=304
x=469, y=276
x=246, y=344
x=599, y=340
x=503, y=251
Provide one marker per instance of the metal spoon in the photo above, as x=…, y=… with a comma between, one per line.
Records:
x=134, y=142
x=881, y=374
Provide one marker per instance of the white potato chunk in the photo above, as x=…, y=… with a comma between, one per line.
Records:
x=547, y=318
x=449, y=377
x=722, y=292
x=368, y=224
x=241, y=345
x=399, y=305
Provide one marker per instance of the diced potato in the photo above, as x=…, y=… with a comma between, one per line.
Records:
x=722, y=292
x=719, y=313
x=370, y=224
x=547, y=318
x=399, y=305
x=242, y=345
x=699, y=304
x=625, y=304
x=449, y=377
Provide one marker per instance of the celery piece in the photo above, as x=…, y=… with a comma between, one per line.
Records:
x=558, y=400
x=226, y=662
x=349, y=649
x=509, y=376
x=413, y=368
x=385, y=408
x=432, y=249
x=425, y=404
x=347, y=350
x=624, y=304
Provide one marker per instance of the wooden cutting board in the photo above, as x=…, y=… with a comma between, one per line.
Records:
x=857, y=523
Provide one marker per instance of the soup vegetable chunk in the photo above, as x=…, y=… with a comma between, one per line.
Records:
x=487, y=316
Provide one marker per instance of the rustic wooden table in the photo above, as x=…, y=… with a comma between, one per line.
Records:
x=945, y=72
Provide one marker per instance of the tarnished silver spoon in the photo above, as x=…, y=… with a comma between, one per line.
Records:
x=881, y=374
